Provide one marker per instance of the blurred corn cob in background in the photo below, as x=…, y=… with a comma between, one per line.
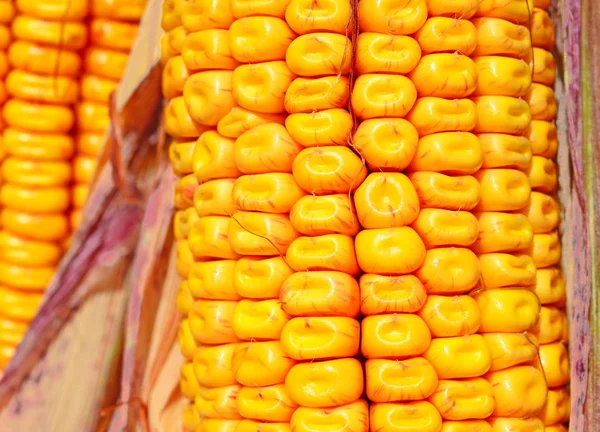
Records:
x=365, y=139
x=113, y=26
x=42, y=85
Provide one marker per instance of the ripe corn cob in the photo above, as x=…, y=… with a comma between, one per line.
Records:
x=42, y=87
x=543, y=213
x=113, y=29
x=455, y=224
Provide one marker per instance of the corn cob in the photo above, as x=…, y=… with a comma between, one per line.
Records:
x=543, y=213
x=445, y=252
x=113, y=29
x=42, y=87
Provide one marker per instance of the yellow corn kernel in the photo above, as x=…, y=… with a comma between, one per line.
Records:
x=325, y=384
x=6, y=354
x=307, y=17
x=184, y=192
x=511, y=349
x=174, y=76
x=35, y=146
x=171, y=14
x=47, y=200
x=502, y=37
x=542, y=29
x=259, y=320
x=88, y=143
x=543, y=211
x=466, y=426
x=354, y=417
x=12, y=331
x=503, y=424
x=36, y=173
x=199, y=15
x=243, y=8
x=186, y=340
x=36, y=117
x=542, y=102
x=130, y=10
x=399, y=380
x=544, y=67
x=545, y=249
x=557, y=408
x=98, y=89
x=550, y=286
x=209, y=238
x=515, y=11
x=390, y=294
x=40, y=88
x=327, y=252
x=543, y=174
x=449, y=270
x=184, y=259
x=270, y=404
x=213, y=280
x=386, y=144
x=503, y=190
x=258, y=426
x=260, y=234
x=385, y=17
x=384, y=53
x=178, y=122
x=320, y=293
x=84, y=168
x=188, y=382
x=501, y=114
x=105, y=62
x=383, y=95
x=268, y=193
x=217, y=402
x=445, y=34
x=262, y=87
x=207, y=96
x=505, y=151
x=460, y=9
x=320, y=128
x=448, y=152
x=551, y=325
x=555, y=362
x=185, y=300
x=507, y=310
x=54, y=10
x=432, y=114
x=261, y=363
x=464, y=399
x=386, y=200
x=214, y=198
x=328, y=214
x=319, y=54
x=519, y=391
x=555, y=428
x=502, y=232
x=437, y=190
x=458, y=81
x=542, y=135
x=171, y=44
x=112, y=34
x=26, y=252
x=459, y=357
x=7, y=11
x=328, y=170
x=305, y=95
x=405, y=417
x=68, y=35
x=260, y=39
x=211, y=322
x=451, y=316
x=240, y=120
x=438, y=227
x=394, y=336
x=260, y=278
x=500, y=270
x=208, y=49
x=320, y=338
x=44, y=227
x=502, y=76
x=213, y=157
x=19, y=305
x=389, y=251
x=266, y=148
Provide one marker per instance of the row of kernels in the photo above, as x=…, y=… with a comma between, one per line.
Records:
x=550, y=288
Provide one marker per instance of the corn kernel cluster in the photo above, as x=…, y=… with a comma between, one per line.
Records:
x=366, y=215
